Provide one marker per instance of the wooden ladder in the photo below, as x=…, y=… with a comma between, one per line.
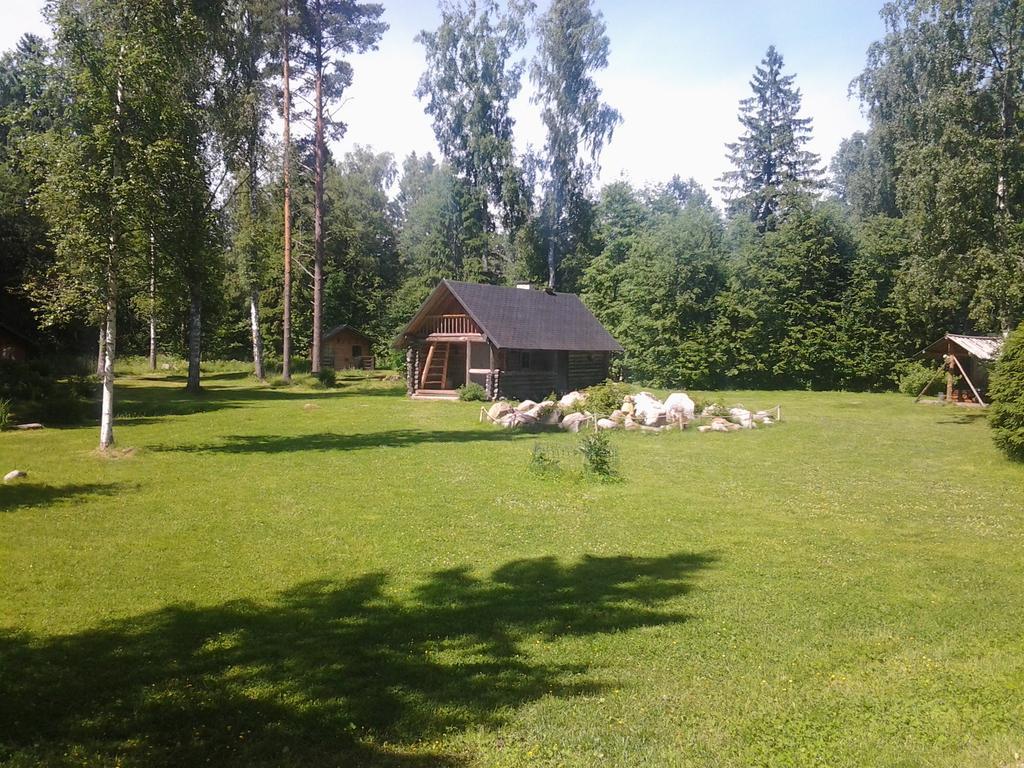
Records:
x=435, y=371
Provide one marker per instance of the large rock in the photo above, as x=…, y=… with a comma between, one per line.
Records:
x=648, y=410
x=515, y=419
x=679, y=404
x=719, y=424
x=525, y=406
x=743, y=417
x=15, y=474
x=498, y=410
x=574, y=421
x=30, y=425
x=571, y=399
x=607, y=424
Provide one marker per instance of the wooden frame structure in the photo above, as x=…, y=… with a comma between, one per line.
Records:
x=514, y=343
x=968, y=355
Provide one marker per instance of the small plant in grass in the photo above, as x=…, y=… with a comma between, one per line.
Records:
x=5, y=413
x=326, y=377
x=598, y=454
x=542, y=462
x=472, y=392
x=1006, y=391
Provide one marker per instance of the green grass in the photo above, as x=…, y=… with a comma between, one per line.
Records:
x=300, y=577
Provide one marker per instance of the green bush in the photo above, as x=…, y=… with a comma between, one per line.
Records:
x=1006, y=393
x=327, y=377
x=5, y=413
x=606, y=397
x=35, y=393
x=913, y=377
x=472, y=392
x=542, y=462
x=598, y=454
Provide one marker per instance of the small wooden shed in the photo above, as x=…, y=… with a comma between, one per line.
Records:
x=346, y=347
x=14, y=345
x=514, y=342
x=968, y=357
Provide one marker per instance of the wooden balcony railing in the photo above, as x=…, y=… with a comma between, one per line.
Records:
x=449, y=324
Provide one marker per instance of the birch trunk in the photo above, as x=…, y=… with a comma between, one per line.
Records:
x=257, y=336
x=102, y=347
x=195, y=330
x=109, y=347
x=286, y=352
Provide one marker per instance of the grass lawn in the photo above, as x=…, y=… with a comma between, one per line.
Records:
x=307, y=578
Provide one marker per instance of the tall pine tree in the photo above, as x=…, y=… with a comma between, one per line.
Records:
x=770, y=160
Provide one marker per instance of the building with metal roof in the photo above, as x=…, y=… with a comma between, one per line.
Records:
x=966, y=357
x=514, y=342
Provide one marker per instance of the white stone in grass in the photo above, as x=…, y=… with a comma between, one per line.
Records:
x=573, y=421
x=607, y=424
x=679, y=404
x=498, y=410
x=526, y=405
x=15, y=474
x=570, y=399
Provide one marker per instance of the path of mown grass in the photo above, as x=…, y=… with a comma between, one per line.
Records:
x=283, y=577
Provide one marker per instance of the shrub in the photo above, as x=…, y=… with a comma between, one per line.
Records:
x=327, y=377
x=915, y=376
x=598, y=454
x=542, y=462
x=5, y=413
x=1006, y=393
x=472, y=392
x=605, y=397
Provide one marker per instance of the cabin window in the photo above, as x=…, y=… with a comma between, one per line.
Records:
x=357, y=351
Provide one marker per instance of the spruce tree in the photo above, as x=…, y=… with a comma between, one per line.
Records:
x=770, y=160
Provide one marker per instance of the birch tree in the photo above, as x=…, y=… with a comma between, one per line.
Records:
x=571, y=47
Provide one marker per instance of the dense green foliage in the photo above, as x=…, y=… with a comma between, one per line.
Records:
x=391, y=585
x=1007, y=395
x=920, y=234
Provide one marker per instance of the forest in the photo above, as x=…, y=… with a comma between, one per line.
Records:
x=167, y=186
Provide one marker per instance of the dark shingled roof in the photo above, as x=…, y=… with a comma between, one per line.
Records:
x=339, y=328
x=515, y=318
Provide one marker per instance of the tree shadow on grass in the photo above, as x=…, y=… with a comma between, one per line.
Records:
x=24, y=495
x=146, y=404
x=326, y=673
x=964, y=417
x=332, y=441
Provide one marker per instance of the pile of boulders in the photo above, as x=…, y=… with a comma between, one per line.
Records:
x=640, y=412
x=736, y=418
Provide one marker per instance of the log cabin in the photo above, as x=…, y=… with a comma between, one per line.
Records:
x=514, y=342
x=345, y=347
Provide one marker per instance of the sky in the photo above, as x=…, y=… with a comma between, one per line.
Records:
x=676, y=72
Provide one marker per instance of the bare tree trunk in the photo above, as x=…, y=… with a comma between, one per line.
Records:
x=152, y=305
x=195, y=336
x=553, y=238
x=108, y=346
x=286, y=352
x=102, y=347
x=257, y=336
x=318, y=198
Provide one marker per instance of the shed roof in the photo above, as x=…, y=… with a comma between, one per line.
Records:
x=514, y=318
x=982, y=347
x=340, y=328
